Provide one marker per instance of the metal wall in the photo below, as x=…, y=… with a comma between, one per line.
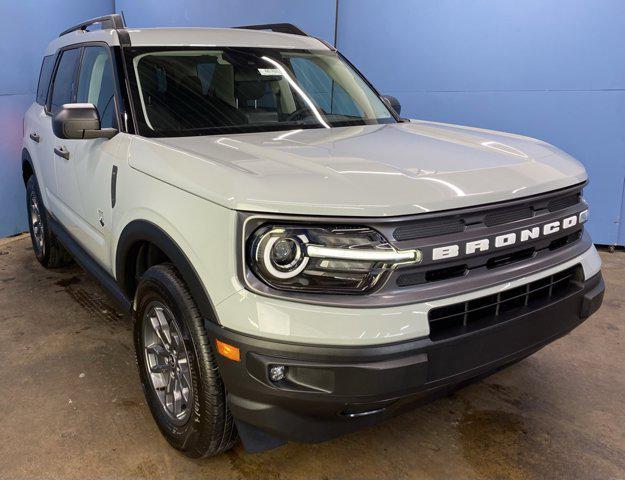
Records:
x=26, y=28
x=551, y=69
x=315, y=17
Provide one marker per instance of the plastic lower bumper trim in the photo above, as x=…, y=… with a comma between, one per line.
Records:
x=329, y=391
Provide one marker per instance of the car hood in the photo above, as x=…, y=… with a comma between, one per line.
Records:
x=373, y=170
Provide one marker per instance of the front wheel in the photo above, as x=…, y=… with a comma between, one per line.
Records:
x=177, y=367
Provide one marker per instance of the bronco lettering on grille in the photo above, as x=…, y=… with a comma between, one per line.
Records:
x=503, y=240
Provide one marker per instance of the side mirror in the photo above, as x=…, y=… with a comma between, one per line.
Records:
x=79, y=121
x=393, y=103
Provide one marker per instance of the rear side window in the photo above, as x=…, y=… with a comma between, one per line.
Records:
x=63, y=85
x=44, y=79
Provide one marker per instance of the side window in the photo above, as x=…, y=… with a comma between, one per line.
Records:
x=63, y=85
x=96, y=84
x=44, y=79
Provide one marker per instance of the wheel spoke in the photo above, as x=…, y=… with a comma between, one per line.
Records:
x=185, y=374
x=160, y=382
x=156, y=349
x=160, y=368
x=169, y=393
x=176, y=342
x=164, y=323
x=177, y=394
x=185, y=384
x=157, y=326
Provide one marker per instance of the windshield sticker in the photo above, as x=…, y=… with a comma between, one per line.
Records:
x=269, y=72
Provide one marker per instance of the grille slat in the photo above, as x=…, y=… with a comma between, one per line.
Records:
x=454, y=319
x=490, y=217
x=563, y=202
x=428, y=228
x=508, y=215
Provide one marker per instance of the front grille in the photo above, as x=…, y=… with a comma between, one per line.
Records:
x=460, y=228
x=463, y=317
x=410, y=277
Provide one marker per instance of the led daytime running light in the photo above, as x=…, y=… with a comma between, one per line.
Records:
x=369, y=255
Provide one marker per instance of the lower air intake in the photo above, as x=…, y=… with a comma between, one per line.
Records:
x=458, y=318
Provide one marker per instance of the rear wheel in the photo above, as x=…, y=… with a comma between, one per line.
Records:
x=178, y=371
x=47, y=248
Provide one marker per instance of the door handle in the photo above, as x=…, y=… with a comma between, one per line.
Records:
x=35, y=137
x=62, y=152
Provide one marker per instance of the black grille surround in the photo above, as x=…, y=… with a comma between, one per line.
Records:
x=431, y=279
x=464, y=317
x=488, y=223
x=410, y=277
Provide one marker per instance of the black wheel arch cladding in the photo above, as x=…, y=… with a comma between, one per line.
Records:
x=27, y=165
x=139, y=231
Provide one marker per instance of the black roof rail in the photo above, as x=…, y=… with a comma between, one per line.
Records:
x=277, y=27
x=113, y=21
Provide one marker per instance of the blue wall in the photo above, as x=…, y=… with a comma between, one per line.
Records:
x=552, y=69
x=315, y=17
x=26, y=28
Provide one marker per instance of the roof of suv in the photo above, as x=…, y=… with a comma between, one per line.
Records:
x=195, y=37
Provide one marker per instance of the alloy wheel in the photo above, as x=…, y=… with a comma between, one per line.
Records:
x=36, y=222
x=167, y=362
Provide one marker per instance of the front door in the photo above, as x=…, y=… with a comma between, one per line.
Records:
x=84, y=179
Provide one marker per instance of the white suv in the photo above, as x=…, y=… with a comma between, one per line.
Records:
x=298, y=260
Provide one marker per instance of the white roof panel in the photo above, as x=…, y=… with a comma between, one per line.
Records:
x=230, y=37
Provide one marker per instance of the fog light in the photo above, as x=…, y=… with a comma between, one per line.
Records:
x=277, y=372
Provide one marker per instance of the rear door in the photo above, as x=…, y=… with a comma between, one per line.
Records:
x=39, y=132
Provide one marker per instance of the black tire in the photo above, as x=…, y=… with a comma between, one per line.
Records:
x=209, y=427
x=48, y=250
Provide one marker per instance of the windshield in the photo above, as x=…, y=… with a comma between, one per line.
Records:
x=195, y=91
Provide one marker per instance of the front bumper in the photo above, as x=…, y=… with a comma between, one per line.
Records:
x=332, y=390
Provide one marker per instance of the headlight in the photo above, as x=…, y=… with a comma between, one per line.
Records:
x=323, y=259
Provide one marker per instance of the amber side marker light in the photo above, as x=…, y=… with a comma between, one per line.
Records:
x=228, y=351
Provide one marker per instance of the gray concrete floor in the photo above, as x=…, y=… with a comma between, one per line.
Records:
x=72, y=406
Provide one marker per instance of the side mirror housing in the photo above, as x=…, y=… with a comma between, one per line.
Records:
x=393, y=103
x=79, y=121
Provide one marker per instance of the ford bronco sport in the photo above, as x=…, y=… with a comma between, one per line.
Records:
x=299, y=261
